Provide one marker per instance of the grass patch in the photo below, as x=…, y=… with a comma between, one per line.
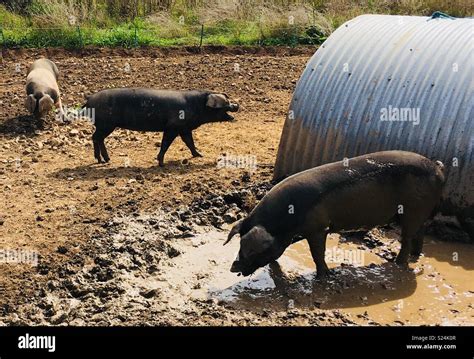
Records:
x=116, y=23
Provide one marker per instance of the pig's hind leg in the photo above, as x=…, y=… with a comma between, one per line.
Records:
x=99, y=146
x=103, y=150
x=189, y=141
x=417, y=246
x=412, y=222
x=168, y=138
x=96, y=149
x=317, y=245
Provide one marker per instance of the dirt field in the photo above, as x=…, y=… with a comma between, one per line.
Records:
x=130, y=243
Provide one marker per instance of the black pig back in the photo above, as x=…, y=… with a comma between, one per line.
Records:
x=148, y=110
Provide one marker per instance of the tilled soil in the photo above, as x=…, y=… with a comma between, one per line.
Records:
x=118, y=242
x=130, y=274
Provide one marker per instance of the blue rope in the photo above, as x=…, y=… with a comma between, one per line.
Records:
x=440, y=15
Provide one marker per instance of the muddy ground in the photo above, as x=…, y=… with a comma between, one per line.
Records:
x=130, y=243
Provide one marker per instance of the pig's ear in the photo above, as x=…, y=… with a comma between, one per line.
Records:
x=256, y=241
x=233, y=231
x=45, y=103
x=216, y=100
x=30, y=103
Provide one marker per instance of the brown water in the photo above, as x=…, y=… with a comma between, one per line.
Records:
x=438, y=289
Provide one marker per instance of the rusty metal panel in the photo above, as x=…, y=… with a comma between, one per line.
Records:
x=346, y=101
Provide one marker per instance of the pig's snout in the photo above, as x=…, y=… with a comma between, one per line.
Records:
x=235, y=268
x=233, y=107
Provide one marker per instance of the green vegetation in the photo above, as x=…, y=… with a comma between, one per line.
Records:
x=74, y=23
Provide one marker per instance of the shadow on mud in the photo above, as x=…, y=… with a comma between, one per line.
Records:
x=455, y=250
x=347, y=287
x=455, y=253
x=21, y=125
x=95, y=171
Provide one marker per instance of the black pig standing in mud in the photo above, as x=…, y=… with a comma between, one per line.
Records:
x=369, y=190
x=176, y=113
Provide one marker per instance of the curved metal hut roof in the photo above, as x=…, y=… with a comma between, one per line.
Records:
x=383, y=82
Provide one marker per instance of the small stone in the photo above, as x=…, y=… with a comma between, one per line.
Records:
x=56, y=142
x=186, y=187
x=229, y=217
x=148, y=293
x=62, y=250
x=42, y=268
x=59, y=318
x=173, y=252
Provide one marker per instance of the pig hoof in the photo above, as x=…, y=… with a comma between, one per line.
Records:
x=197, y=154
x=322, y=275
x=414, y=257
x=402, y=263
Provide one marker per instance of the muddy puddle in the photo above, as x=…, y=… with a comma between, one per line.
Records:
x=171, y=268
x=437, y=290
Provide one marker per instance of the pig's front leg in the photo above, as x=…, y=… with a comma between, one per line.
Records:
x=417, y=246
x=168, y=138
x=62, y=115
x=187, y=138
x=317, y=245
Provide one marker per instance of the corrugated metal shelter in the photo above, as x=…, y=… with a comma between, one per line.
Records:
x=384, y=82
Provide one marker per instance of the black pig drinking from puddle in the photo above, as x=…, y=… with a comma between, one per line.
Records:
x=362, y=192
